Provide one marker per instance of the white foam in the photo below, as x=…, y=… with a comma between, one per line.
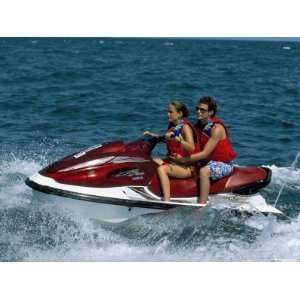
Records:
x=26, y=167
x=275, y=241
x=169, y=44
x=278, y=241
x=285, y=175
x=13, y=190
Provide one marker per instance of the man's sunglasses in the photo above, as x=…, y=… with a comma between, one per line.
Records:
x=201, y=109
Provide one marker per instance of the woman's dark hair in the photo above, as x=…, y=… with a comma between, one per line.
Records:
x=180, y=106
x=211, y=103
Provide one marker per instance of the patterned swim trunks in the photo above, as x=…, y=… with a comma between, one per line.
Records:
x=219, y=169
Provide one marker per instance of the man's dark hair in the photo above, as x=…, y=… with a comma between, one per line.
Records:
x=211, y=103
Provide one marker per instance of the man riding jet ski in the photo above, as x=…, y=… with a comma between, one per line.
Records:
x=215, y=147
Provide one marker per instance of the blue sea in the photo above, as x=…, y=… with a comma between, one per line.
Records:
x=62, y=95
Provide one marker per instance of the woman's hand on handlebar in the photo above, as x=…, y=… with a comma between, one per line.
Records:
x=148, y=133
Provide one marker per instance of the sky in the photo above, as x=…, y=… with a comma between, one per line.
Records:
x=155, y=18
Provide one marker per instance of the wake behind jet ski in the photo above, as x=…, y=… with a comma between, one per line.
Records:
x=115, y=181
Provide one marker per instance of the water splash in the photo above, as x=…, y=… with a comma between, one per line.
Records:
x=13, y=191
x=46, y=233
x=293, y=167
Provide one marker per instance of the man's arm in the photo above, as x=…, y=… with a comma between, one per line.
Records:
x=218, y=133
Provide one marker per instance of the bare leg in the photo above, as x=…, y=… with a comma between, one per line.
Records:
x=170, y=170
x=163, y=172
x=204, y=184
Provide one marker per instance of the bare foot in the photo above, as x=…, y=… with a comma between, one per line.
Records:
x=202, y=202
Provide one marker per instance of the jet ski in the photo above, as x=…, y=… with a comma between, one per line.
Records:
x=115, y=181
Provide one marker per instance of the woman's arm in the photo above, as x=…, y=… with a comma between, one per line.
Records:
x=149, y=133
x=187, y=138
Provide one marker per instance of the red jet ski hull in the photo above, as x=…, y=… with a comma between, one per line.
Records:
x=116, y=164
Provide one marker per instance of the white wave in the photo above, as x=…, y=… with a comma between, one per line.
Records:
x=286, y=175
x=16, y=165
x=13, y=173
x=276, y=241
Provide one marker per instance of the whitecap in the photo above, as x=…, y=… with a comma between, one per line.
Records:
x=13, y=191
x=286, y=175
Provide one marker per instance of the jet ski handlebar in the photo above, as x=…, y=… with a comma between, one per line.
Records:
x=148, y=143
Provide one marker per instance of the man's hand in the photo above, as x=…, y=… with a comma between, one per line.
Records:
x=178, y=159
x=169, y=135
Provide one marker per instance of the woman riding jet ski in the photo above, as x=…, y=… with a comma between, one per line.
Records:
x=116, y=181
x=181, y=142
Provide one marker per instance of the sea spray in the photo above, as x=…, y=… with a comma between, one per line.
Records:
x=293, y=167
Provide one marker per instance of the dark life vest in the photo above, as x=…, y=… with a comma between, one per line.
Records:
x=223, y=151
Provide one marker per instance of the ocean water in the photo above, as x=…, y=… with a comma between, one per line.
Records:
x=59, y=96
